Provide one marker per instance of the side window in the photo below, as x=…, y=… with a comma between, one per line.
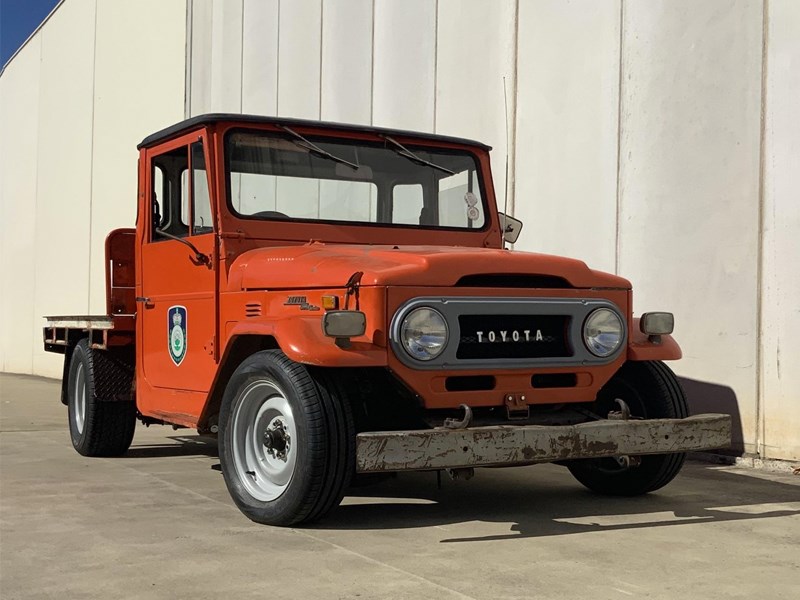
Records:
x=170, y=194
x=179, y=201
x=159, y=194
x=201, y=198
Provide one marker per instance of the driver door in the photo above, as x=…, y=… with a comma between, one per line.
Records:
x=178, y=306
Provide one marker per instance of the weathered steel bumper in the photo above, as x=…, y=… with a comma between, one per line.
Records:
x=527, y=444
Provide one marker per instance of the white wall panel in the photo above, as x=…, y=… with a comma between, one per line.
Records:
x=260, y=57
x=566, y=136
x=198, y=86
x=138, y=89
x=64, y=171
x=689, y=181
x=781, y=257
x=475, y=52
x=405, y=64
x=226, y=56
x=299, y=58
x=678, y=213
x=19, y=119
x=347, y=61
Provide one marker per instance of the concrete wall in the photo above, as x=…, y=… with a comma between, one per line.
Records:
x=779, y=390
x=656, y=139
x=86, y=88
x=689, y=181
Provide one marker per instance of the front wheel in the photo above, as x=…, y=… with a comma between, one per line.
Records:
x=287, y=440
x=651, y=391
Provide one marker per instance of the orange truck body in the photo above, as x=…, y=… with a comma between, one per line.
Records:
x=238, y=300
x=348, y=338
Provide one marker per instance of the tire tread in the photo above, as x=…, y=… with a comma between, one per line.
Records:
x=109, y=425
x=330, y=446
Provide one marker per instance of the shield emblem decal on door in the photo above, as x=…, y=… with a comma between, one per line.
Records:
x=176, y=338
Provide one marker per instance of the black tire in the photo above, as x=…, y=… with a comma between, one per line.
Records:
x=269, y=392
x=99, y=424
x=652, y=391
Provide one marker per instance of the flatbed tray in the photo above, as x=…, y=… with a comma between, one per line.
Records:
x=62, y=331
x=80, y=321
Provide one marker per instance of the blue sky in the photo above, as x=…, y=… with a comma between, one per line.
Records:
x=18, y=19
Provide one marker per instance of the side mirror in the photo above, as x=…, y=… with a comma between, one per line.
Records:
x=510, y=227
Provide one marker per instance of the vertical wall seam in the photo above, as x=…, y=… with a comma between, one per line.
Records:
x=620, y=80
x=91, y=159
x=372, y=70
x=512, y=159
x=187, y=73
x=435, y=61
x=278, y=63
x=760, y=429
x=241, y=60
x=277, y=82
x=319, y=96
x=36, y=197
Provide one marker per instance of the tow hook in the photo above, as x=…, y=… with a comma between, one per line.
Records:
x=624, y=414
x=459, y=423
x=627, y=462
x=465, y=473
x=621, y=415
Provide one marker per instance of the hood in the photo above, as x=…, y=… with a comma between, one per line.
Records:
x=330, y=266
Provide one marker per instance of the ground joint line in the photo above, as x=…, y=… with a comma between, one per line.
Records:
x=375, y=561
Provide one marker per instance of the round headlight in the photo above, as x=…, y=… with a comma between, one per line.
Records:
x=423, y=333
x=602, y=332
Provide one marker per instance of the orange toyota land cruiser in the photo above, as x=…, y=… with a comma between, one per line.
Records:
x=334, y=300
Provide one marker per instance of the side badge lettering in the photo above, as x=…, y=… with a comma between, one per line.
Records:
x=176, y=337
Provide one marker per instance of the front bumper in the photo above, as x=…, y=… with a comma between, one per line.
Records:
x=508, y=445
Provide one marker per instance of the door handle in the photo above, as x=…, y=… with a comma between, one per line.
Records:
x=146, y=301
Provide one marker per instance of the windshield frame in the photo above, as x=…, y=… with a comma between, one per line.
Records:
x=294, y=228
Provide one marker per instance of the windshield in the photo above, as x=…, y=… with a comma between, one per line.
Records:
x=291, y=177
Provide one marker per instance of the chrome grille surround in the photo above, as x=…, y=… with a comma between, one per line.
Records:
x=577, y=309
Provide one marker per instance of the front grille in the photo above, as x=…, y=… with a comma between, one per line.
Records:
x=513, y=336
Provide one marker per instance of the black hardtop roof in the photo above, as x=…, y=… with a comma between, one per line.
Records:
x=178, y=128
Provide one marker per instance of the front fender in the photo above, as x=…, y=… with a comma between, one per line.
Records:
x=302, y=340
x=641, y=348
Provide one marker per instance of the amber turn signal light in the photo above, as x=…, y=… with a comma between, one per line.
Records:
x=330, y=302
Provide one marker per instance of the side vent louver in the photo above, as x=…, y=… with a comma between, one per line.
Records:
x=252, y=309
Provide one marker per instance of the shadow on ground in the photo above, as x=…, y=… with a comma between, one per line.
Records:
x=706, y=397
x=182, y=445
x=538, y=500
x=557, y=505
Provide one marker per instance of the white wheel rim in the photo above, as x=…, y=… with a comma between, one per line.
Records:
x=263, y=410
x=79, y=395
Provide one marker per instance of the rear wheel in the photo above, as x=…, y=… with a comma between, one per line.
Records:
x=287, y=440
x=652, y=391
x=100, y=423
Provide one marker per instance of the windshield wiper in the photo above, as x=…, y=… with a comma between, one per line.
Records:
x=308, y=145
x=403, y=151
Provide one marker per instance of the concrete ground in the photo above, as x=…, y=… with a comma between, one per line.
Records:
x=158, y=523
